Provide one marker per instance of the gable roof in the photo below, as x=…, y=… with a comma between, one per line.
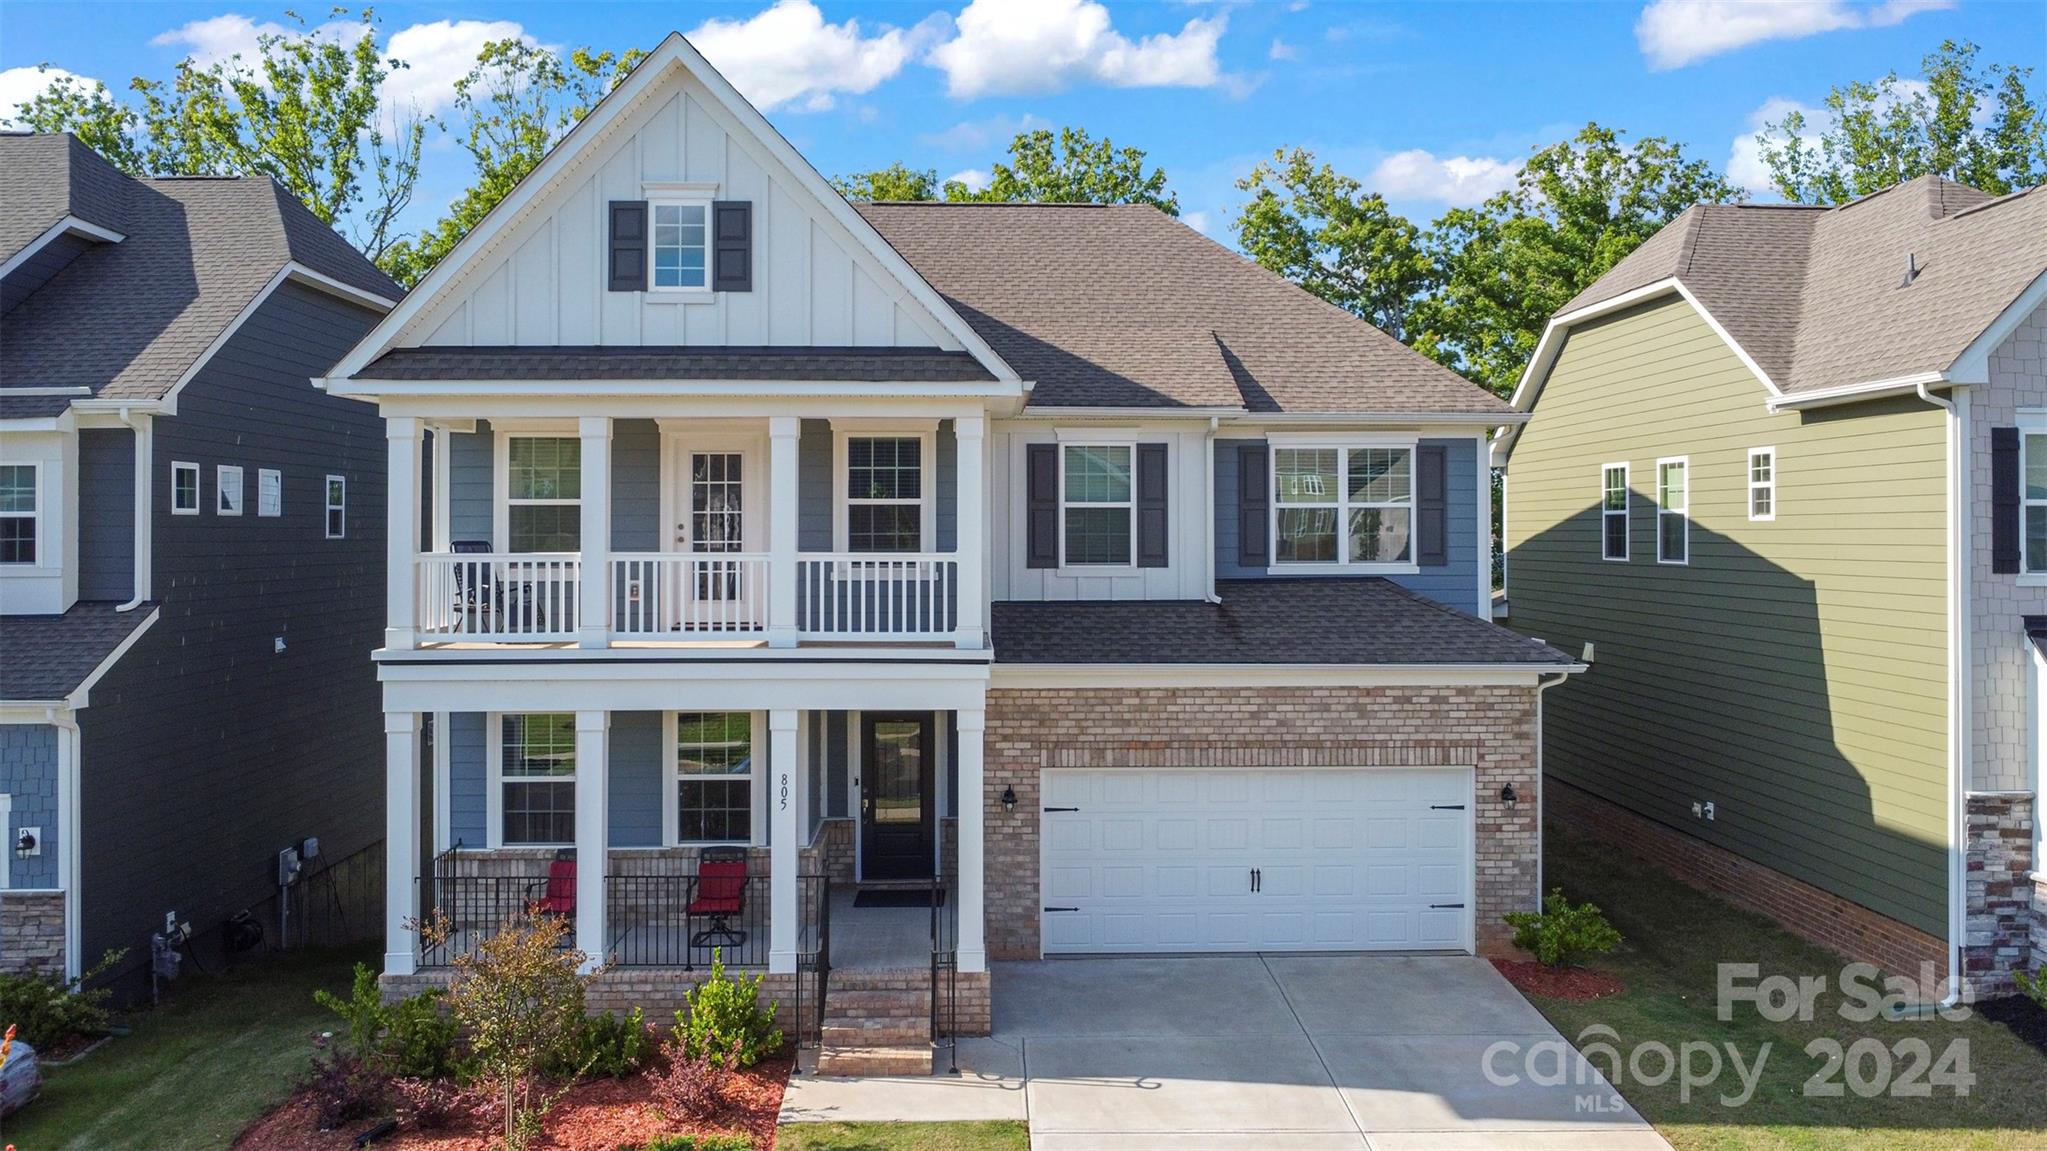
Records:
x=1123, y=306
x=45, y=658
x=49, y=177
x=130, y=320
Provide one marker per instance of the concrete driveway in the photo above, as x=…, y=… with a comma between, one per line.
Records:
x=1310, y=1053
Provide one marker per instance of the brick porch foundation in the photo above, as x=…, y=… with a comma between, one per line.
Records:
x=2000, y=937
x=32, y=932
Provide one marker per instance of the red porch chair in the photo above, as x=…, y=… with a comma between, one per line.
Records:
x=720, y=897
x=558, y=890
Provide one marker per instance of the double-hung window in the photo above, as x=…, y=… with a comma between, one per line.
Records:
x=544, y=493
x=537, y=779
x=681, y=245
x=1097, y=504
x=1342, y=505
x=1673, y=512
x=885, y=486
x=337, y=507
x=1613, y=512
x=2033, y=494
x=1762, y=483
x=184, y=489
x=227, y=478
x=714, y=776
x=20, y=513
x=269, y=492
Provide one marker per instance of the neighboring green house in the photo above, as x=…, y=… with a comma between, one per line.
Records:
x=1773, y=482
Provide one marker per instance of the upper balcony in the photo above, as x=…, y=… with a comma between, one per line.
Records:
x=679, y=534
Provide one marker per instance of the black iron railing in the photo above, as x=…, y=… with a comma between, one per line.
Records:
x=468, y=909
x=945, y=970
x=679, y=920
x=813, y=959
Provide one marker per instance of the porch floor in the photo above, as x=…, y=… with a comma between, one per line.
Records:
x=885, y=937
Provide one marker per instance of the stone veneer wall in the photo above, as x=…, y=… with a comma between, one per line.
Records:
x=32, y=932
x=1999, y=936
x=1489, y=728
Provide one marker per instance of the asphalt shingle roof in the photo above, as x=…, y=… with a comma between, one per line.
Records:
x=43, y=657
x=665, y=363
x=1335, y=620
x=63, y=178
x=1817, y=295
x=1121, y=305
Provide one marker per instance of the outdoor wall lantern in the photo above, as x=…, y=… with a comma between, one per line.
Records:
x=1508, y=796
x=26, y=845
x=1009, y=800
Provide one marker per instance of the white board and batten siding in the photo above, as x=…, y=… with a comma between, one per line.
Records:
x=1163, y=860
x=544, y=281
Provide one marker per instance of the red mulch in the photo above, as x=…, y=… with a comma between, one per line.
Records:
x=1576, y=984
x=598, y=1116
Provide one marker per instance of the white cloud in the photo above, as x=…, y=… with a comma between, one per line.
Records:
x=977, y=135
x=1031, y=46
x=1281, y=50
x=974, y=178
x=1195, y=220
x=436, y=54
x=789, y=55
x=222, y=38
x=1745, y=167
x=20, y=85
x=1460, y=181
x=1674, y=33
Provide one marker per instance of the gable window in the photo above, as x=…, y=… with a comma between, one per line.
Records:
x=885, y=494
x=20, y=512
x=544, y=493
x=680, y=245
x=337, y=507
x=269, y=492
x=537, y=779
x=1097, y=502
x=1343, y=505
x=1613, y=512
x=1762, y=483
x=1673, y=519
x=184, y=489
x=714, y=777
x=227, y=480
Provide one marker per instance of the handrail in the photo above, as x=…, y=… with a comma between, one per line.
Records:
x=689, y=593
x=499, y=596
x=870, y=595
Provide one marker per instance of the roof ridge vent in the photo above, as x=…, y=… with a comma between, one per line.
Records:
x=1911, y=269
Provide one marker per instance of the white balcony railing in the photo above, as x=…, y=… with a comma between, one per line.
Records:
x=688, y=595
x=529, y=597
x=846, y=596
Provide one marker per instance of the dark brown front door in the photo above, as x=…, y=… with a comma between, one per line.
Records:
x=896, y=816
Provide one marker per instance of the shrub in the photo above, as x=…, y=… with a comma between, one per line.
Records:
x=45, y=1010
x=693, y=1085
x=413, y=1037
x=433, y=1104
x=724, y=1018
x=606, y=1044
x=342, y=1088
x=2034, y=986
x=1561, y=934
x=720, y=1141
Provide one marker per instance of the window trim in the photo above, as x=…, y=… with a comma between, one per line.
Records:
x=2030, y=422
x=269, y=476
x=1344, y=445
x=220, y=488
x=1625, y=512
x=654, y=205
x=1685, y=512
x=37, y=517
x=501, y=482
x=926, y=434
x=198, y=488
x=1130, y=504
x=1752, y=486
x=327, y=521
x=672, y=777
x=494, y=795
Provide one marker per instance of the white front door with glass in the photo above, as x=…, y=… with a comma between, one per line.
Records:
x=721, y=585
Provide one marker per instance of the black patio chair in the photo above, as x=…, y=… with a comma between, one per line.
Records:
x=481, y=597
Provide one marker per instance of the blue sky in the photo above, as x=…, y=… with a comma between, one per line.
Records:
x=1432, y=104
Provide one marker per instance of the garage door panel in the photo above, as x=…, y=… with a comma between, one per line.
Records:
x=1282, y=834
x=1336, y=834
x=1387, y=833
x=1177, y=834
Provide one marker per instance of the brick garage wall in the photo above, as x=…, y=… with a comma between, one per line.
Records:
x=32, y=932
x=1824, y=918
x=1489, y=728
x=831, y=852
x=1999, y=936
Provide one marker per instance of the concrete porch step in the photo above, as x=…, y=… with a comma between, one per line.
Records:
x=876, y=1032
x=902, y=1059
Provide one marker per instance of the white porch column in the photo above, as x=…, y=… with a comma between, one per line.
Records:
x=401, y=532
x=973, y=878
x=401, y=841
x=783, y=764
x=783, y=433
x=593, y=611
x=593, y=755
x=971, y=536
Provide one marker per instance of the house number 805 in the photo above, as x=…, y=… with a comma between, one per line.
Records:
x=785, y=791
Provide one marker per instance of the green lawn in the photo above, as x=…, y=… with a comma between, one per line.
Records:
x=1676, y=936
x=219, y=1053
x=1000, y=1136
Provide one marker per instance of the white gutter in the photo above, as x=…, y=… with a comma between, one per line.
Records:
x=1849, y=393
x=1957, y=543
x=145, y=442
x=1541, y=783
x=1208, y=502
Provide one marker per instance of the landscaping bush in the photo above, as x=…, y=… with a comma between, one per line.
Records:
x=606, y=1044
x=2034, y=986
x=342, y=1088
x=715, y=1142
x=1561, y=934
x=693, y=1084
x=434, y=1104
x=413, y=1037
x=725, y=1019
x=45, y=1010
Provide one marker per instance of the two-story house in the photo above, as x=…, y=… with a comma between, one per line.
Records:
x=190, y=535
x=1049, y=555
x=1788, y=476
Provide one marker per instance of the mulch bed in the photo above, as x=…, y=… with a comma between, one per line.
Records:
x=2025, y=1018
x=598, y=1116
x=1575, y=984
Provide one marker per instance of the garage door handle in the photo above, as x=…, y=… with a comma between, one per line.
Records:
x=1062, y=809
x=1436, y=906
x=1060, y=909
x=1446, y=807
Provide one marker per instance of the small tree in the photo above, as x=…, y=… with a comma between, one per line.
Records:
x=1561, y=934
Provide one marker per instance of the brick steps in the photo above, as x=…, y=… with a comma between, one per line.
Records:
x=859, y=1062
x=876, y=1023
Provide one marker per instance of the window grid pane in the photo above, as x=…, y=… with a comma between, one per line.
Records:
x=884, y=469
x=1305, y=475
x=1381, y=476
x=1307, y=535
x=539, y=765
x=679, y=245
x=1616, y=490
x=714, y=765
x=546, y=527
x=884, y=528
x=2036, y=538
x=1097, y=535
x=1380, y=535
x=545, y=468
x=17, y=489
x=17, y=539
x=185, y=489
x=1097, y=474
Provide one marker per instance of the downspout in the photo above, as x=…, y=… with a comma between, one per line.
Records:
x=1542, y=684
x=1957, y=717
x=143, y=430
x=1208, y=501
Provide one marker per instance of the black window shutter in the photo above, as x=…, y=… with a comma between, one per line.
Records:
x=628, y=246
x=1041, y=500
x=1151, y=505
x=1431, y=508
x=732, y=245
x=2004, y=501
x=1253, y=504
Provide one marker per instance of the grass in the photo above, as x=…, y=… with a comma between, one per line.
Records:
x=995, y=1136
x=195, y=1071
x=1674, y=938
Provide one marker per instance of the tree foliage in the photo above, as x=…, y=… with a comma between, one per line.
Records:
x=1322, y=230
x=1961, y=122
x=895, y=182
x=1070, y=167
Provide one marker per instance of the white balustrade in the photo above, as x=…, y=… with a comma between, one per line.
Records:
x=688, y=595
x=496, y=598
x=870, y=596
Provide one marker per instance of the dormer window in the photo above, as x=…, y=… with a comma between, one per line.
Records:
x=20, y=513
x=681, y=245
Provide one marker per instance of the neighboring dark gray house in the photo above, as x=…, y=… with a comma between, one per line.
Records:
x=191, y=545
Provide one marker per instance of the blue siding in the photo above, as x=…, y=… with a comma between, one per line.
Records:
x=814, y=778
x=471, y=462
x=28, y=773
x=636, y=486
x=814, y=487
x=634, y=786
x=838, y=764
x=1454, y=584
x=468, y=776
x=106, y=513
x=947, y=469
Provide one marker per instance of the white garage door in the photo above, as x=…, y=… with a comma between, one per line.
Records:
x=1224, y=860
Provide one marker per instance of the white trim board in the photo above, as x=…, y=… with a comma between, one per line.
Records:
x=72, y=225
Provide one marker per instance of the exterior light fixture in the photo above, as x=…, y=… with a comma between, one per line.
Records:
x=1508, y=796
x=25, y=846
x=1008, y=800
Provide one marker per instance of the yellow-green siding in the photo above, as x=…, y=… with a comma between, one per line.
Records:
x=1794, y=673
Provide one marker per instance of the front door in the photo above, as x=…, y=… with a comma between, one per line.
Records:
x=896, y=810
x=717, y=593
